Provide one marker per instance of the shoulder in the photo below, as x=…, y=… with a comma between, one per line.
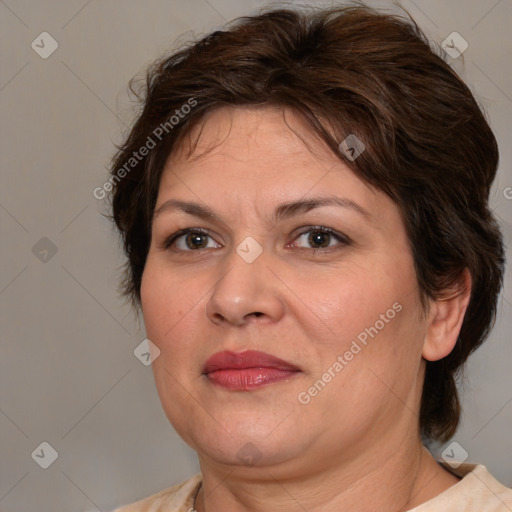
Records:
x=477, y=491
x=180, y=498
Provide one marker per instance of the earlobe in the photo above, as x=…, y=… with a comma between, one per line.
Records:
x=445, y=320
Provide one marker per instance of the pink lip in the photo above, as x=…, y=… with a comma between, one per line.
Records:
x=247, y=370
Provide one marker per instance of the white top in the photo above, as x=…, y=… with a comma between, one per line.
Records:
x=478, y=491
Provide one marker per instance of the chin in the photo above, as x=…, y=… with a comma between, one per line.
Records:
x=249, y=441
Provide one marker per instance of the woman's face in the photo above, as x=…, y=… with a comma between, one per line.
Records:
x=261, y=273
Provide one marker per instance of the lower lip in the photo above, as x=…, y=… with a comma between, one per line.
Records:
x=245, y=379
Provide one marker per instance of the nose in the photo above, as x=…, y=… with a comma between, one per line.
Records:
x=245, y=293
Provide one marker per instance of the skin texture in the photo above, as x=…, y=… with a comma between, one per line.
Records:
x=356, y=443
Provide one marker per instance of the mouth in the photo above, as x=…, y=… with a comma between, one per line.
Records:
x=247, y=370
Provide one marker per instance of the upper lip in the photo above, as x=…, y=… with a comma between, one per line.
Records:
x=248, y=359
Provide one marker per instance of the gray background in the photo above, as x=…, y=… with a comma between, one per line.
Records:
x=68, y=375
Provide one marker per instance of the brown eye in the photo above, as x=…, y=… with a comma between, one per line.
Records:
x=196, y=240
x=190, y=240
x=321, y=238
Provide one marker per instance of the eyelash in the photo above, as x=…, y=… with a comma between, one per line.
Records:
x=342, y=239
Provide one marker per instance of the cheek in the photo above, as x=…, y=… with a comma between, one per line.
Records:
x=173, y=307
x=373, y=311
x=166, y=302
x=168, y=311
x=346, y=303
x=162, y=312
x=155, y=304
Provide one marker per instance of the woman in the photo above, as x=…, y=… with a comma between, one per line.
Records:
x=304, y=206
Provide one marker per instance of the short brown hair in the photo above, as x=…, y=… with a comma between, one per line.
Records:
x=349, y=70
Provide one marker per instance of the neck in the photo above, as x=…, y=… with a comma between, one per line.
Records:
x=394, y=482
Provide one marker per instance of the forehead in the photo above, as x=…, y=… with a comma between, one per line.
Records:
x=243, y=133
x=254, y=158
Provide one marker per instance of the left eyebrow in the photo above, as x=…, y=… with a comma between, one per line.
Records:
x=292, y=208
x=283, y=211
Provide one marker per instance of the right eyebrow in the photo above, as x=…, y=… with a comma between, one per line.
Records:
x=196, y=209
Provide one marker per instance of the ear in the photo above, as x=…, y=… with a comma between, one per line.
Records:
x=445, y=319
